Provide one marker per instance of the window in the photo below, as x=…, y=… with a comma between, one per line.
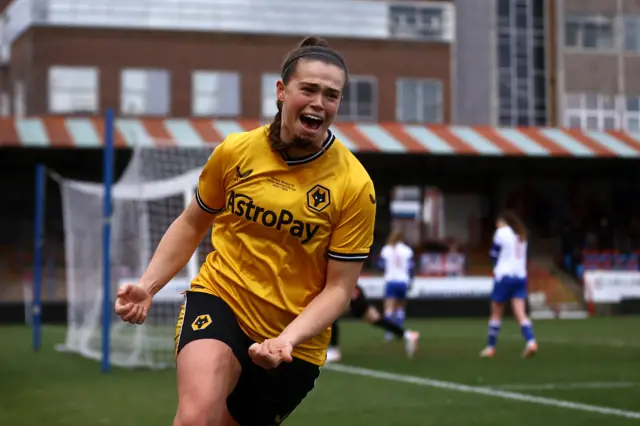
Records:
x=419, y=101
x=215, y=93
x=73, y=90
x=421, y=22
x=592, y=111
x=145, y=92
x=359, y=100
x=269, y=95
x=522, y=91
x=632, y=34
x=632, y=114
x=589, y=31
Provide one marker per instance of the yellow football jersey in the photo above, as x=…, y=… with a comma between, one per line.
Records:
x=277, y=223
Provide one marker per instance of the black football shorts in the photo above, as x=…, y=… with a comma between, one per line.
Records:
x=261, y=397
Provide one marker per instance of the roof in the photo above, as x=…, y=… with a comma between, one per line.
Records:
x=87, y=132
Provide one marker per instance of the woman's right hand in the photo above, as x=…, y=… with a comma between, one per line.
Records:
x=133, y=303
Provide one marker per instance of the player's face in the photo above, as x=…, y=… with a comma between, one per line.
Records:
x=310, y=101
x=500, y=223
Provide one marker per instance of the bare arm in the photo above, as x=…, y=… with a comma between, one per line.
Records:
x=342, y=278
x=176, y=247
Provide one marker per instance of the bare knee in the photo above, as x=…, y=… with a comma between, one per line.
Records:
x=389, y=306
x=207, y=373
x=497, y=310
x=519, y=310
x=372, y=315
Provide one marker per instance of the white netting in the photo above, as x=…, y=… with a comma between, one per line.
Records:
x=152, y=192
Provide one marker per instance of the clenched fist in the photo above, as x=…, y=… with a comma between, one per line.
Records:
x=133, y=303
x=270, y=353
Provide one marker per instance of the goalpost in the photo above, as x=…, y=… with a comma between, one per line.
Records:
x=155, y=188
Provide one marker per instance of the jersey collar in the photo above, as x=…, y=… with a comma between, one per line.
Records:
x=309, y=158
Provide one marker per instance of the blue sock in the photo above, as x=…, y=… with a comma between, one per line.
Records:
x=400, y=316
x=527, y=331
x=492, y=334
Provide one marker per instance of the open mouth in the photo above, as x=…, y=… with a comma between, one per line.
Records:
x=312, y=122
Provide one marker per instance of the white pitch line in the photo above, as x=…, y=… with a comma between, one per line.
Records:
x=422, y=381
x=561, y=386
x=612, y=343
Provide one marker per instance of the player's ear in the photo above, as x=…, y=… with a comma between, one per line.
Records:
x=280, y=89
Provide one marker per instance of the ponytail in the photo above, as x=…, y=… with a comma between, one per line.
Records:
x=274, y=130
x=516, y=224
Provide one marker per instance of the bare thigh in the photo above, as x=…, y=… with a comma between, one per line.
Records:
x=207, y=372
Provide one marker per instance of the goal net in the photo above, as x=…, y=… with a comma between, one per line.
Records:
x=156, y=186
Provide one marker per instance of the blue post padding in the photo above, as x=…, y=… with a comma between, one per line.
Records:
x=38, y=248
x=108, y=162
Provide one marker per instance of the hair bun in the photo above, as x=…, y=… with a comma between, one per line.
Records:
x=314, y=41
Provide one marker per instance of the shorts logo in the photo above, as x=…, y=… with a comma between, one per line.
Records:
x=202, y=322
x=318, y=198
x=243, y=206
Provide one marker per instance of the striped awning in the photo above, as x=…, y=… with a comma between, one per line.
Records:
x=81, y=132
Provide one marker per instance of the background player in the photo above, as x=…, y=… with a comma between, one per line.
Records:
x=360, y=307
x=294, y=217
x=397, y=259
x=509, y=254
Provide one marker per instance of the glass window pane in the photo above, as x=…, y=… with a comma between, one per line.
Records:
x=592, y=123
x=204, y=82
x=132, y=103
x=590, y=35
x=134, y=80
x=523, y=120
x=633, y=103
x=364, y=110
x=591, y=101
x=523, y=103
x=269, y=94
x=421, y=101
x=571, y=34
x=574, y=100
x=605, y=36
x=539, y=56
x=504, y=8
x=505, y=95
x=504, y=54
x=60, y=102
x=575, y=122
x=609, y=123
x=608, y=102
x=630, y=34
x=409, y=101
x=204, y=105
x=364, y=92
x=522, y=18
x=73, y=89
x=633, y=124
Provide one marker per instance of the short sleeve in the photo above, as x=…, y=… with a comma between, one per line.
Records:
x=384, y=254
x=496, y=244
x=210, y=193
x=352, y=238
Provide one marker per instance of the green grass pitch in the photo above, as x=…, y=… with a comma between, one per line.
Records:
x=587, y=373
